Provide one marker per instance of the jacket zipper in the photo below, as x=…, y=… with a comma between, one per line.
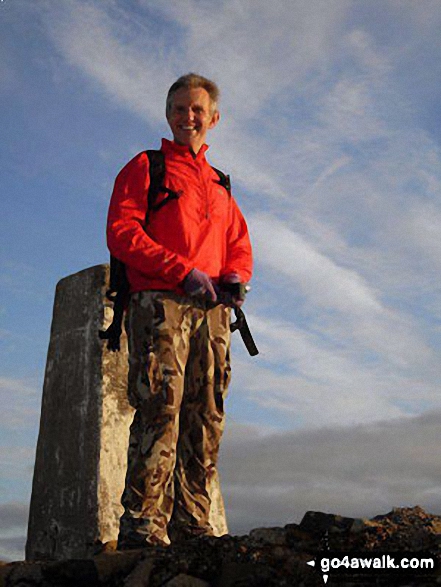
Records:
x=203, y=184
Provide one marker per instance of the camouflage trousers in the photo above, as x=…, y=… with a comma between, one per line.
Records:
x=179, y=370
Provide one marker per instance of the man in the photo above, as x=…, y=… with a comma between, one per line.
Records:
x=178, y=332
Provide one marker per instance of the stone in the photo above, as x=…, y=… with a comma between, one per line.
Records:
x=28, y=574
x=319, y=522
x=269, y=535
x=244, y=561
x=235, y=574
x=72, y=572
x=140, y=576
x=5, y=570
x=81, y=457
x=111, y=565
x=182, y=580
x=85, y=417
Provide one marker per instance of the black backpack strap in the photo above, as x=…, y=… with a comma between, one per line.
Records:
x=224, y=179
x=118, y=294
x=157, y=176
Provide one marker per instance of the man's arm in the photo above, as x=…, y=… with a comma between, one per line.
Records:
x=126, y=237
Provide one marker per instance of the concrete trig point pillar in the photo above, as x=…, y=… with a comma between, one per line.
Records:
x=81, y=457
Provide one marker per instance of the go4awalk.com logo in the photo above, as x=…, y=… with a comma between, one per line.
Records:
x=392, y=563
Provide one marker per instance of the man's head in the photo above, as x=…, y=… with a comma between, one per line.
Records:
x=192, y=109
x=193, y=81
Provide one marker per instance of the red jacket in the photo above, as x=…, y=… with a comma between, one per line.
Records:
x=202, y=229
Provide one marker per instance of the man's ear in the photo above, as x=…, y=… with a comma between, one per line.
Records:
x=214, y=120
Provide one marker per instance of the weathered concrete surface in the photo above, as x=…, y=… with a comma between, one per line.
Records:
x=82, y=446
x=84, y=428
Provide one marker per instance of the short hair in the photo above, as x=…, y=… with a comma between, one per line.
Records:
x=193, y=80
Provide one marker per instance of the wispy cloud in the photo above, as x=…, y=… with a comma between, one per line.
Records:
x=256, y=50
x=119, y=53
x=316, y=377
x=20, y=401
x=326, y=283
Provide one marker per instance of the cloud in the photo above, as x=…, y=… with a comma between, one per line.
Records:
x=121, y=54
x=347, y=306
x=327, y=284
x=12, y=548
x=13, y=530
x=134, y=60
x=20, y=402
x=255, y=49
x=13, y=515
x=315, y=377
x=353, y=471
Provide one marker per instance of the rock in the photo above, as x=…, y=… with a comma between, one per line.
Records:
x=112, y=565
x=240, y=574
x=267, y=557
x=140, y=576
x=269, y=535
x=5, y=569
x=318, y=523
x=24, y=573
x=182, y=580
x=71, y=573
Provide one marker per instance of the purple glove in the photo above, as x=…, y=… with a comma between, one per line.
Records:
x=230, y=278
x=197, y=283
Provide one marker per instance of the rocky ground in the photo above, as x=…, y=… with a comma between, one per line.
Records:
x=267, y=557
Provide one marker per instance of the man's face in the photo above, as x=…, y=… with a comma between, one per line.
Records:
x=190, y=117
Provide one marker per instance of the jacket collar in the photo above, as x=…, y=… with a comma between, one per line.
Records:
x=172, y=147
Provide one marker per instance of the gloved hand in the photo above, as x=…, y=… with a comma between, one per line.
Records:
x=233, y=278
x=198, y=283
x=230, y=278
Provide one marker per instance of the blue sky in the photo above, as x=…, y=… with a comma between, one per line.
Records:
x=330, y=128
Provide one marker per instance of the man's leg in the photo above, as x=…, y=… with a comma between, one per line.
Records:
x=201, y=422
x=158, y=330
